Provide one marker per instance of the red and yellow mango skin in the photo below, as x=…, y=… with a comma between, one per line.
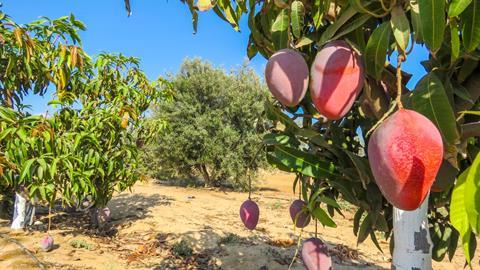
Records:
x=286, y=75
x=337, y=76
x=405, y=153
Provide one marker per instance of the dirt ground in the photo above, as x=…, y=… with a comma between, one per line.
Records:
x=149, y=224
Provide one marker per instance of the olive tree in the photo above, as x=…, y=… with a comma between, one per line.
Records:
x=216, y=122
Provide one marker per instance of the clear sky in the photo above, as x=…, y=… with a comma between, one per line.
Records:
x=159, y=32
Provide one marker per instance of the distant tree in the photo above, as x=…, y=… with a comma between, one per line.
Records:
x=215, y=124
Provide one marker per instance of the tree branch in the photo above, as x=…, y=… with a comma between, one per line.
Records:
x=470, y=130
x=24, y=249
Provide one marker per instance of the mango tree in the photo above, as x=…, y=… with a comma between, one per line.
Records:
x=88, y=146
x=30, y=56
x=327, y=146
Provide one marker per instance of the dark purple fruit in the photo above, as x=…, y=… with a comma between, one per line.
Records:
x=299, y=218
x=249, y=214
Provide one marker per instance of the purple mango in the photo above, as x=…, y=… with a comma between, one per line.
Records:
x=315, y=255
x=249, y=214
x=103, y=215
x=303, y=218
x=46, y=244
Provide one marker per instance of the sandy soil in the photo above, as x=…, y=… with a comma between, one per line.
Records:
x=149, y=224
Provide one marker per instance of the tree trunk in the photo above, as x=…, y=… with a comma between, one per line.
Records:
x=413, y=246
x=206, y=176
x=23, y=212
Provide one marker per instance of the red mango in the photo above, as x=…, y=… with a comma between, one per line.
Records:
x=315, y=255
x=337, y=76
x=286, y=75
x=249, y=214
x=405, y=153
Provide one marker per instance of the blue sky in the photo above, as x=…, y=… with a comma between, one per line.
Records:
x=159, y=32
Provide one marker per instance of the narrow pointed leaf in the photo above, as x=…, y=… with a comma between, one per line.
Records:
x=280, y=30
x=456, y=7
x=471, y=26
x=472, y=195
x=376, y=50
x=429, y=98
x=400, y=27
x=458, y=212
x=297, y=14
x=432, y=19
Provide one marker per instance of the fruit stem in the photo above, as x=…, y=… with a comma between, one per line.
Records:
x=249, y=187
x=49, y=217
x=296, y=250
x=400, y=59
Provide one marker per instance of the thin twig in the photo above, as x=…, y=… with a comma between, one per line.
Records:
x=400, y=59
x=392, y=108
x=24, y=249
x=296, y=250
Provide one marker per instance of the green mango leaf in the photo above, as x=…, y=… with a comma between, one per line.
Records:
x=456, y=7
x=229, y=13
x=472, y=195
x=329, y=201
x=356, y=220
x=458, y=212
x=454, y=41
x=375, y=241
x=323, y=217
x=365, y=229
x=351, y=26
x=429, y=98
x=376, y=50
x=194, y=13
x=280, y=139
x=280, y=30
x=318, y=9
x=432, y=21
x=313, y=199
x=304, y=41
x=297, y=14
x=25, y=172
x=333, y=28
x=400, y=27
x=274, y=113
x=302, y=162
x=471, y=26
x=362, y=167
x=416, y=23
x=452, y=246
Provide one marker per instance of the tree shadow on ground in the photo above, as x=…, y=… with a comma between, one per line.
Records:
x=126, y=207
x=210, y=250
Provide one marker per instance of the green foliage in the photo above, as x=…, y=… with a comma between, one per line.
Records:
x=88, y=146
x=182, y=249
x=76, y=243
x=215, y=125
x=329, y=157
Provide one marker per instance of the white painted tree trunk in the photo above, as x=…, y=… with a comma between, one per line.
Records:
x=413, y=246
x=23, y=212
